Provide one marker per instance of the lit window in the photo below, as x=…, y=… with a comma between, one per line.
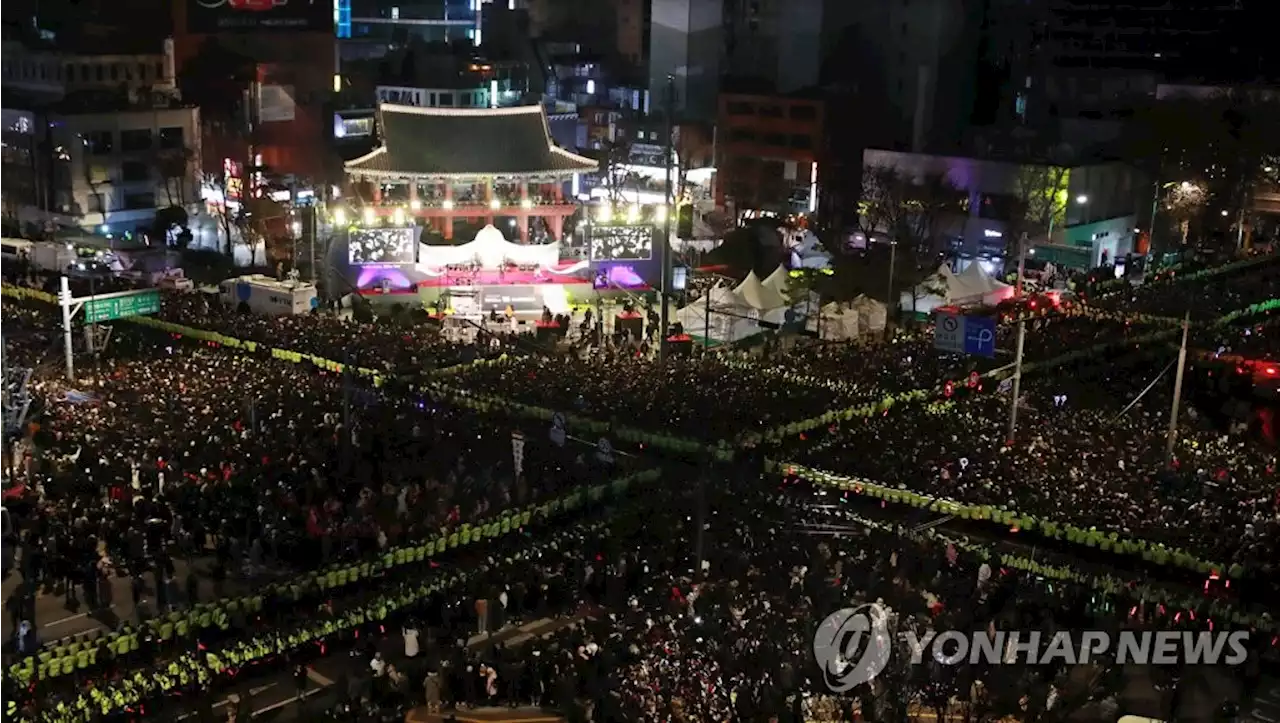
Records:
x=395, y=13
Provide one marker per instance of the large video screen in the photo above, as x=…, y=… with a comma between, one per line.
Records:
x=383, y=246
x=220, y=16
x=621, y=243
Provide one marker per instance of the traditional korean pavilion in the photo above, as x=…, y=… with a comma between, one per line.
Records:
x=443, y=164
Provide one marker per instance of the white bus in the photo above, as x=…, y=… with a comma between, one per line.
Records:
x=265, y=295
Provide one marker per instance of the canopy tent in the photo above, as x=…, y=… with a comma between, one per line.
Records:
x=491, y=250
x=779, y=280
x=861, y=317
x=931, y=293
x=804, y=249
x=719, y=315
x=757, y=296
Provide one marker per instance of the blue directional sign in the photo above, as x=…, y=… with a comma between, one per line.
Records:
x=959, y=334
x=980, y=336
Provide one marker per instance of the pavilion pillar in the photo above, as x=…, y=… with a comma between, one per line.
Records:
x=446, y=222
x=488, y=200
x=377, y=192
x=557, y=191
x=557, y=227
x=413, y=190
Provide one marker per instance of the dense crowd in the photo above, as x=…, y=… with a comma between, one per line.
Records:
x=1205, y=298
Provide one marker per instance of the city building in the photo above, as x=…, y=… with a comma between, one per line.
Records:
x=372, y=26
x=686, y=40
x=1094, y=209
x=768, y=151
x=487, y=163
x=112, y=169
x=286, y=106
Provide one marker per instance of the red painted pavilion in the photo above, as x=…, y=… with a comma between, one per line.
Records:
x=442, y=164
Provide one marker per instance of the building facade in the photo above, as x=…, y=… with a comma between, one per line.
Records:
x=768, y=151
x=114, y=170
x=1094, y=208
x=686, y=40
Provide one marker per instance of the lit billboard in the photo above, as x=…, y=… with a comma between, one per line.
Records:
x=222, y=16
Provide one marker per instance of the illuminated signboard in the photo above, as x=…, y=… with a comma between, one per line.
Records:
x=220, y=16
x=621, y=243
x=383, y=246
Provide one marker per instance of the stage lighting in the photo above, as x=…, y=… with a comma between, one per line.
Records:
x=398, y=216
x=662, y=213
x=605, y=214
x=415, y=205
x=633, y=214
x=495, y=204
x=526, y=204
x=296, y=227
x=370, y=217
x=340, y=217
x=448, y=205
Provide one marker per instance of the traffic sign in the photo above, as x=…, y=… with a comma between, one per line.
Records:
x=604, y=451
x=961, y=334
x=119, y=307
x=948, y=332
x=557, y=429
x=980, y=336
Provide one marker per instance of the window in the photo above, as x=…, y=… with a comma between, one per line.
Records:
x=446, y=100
x=804, y=112
x=770, y=111
x=98, y=143
x=741, y=135
x=802, y=142
x=775, y=139
x=133, y=201
x=740, y=108
x=138, y=139
x=171, y=138
x=134, y=171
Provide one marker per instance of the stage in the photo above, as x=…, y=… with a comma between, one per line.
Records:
x=499, y=277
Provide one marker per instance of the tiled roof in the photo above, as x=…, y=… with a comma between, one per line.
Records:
x=466, y=142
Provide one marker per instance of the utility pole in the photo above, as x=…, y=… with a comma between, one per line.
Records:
x=669, y=208
x=315, y=222
x=1022, y=339
x=65, y=301
x=706, y=321
x=1177, y=391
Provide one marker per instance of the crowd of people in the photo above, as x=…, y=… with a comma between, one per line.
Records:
x=165, y=450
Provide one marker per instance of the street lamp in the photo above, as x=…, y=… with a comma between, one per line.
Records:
x=1082, y=199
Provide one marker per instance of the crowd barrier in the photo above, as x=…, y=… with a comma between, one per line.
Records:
x=1156, y=597
x=197, y=665
x=1155, y=553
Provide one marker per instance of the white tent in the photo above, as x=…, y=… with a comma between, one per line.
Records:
x=757, y=296
x=861, y=317
x=779, y=280
x=720, y=315
x=805, y=249
x=491, y=250
x=931, y=293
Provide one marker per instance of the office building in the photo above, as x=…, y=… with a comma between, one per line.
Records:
x=685, y=43
x=768, y=151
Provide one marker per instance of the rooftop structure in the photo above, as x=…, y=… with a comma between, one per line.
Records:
x=475, y=163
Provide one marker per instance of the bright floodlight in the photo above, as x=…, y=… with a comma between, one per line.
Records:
x=1082, y=199
x=398, y=215
x=526, y=204
x=415, y=205
x=662, y=213
x=605, y=215
x=448, y=205
x=495, y=204
x=633, y=213
x=297, y=228
x=340, y=217
x=1224, y=212
x=369, y=216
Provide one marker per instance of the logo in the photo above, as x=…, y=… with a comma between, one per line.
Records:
x=852, y=646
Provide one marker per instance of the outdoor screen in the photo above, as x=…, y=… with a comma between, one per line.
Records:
x=621, y=243
x=383, y=246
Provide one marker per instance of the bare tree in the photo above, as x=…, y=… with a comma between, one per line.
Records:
x=1184, y=202
x=907, y=210
x=1041, y=193
x=174, y=167
x=617, y=156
